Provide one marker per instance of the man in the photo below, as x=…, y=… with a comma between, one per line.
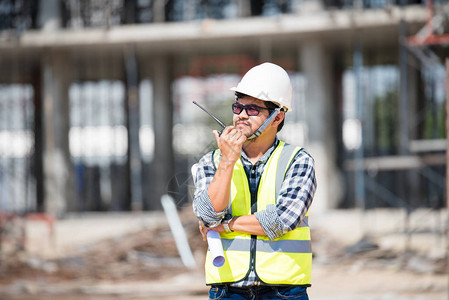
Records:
x=256, y=192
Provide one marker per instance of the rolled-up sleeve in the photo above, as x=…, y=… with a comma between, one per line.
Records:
x=270, y=222
x=297, y=191
x=203, y=173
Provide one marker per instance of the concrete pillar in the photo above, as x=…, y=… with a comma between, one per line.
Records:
x=58, y=171
x=243, y=8
x=318, y=67
x=49, y=15
x=132, y=87
x=265, y=50
x=159, y=11
x=163, y=165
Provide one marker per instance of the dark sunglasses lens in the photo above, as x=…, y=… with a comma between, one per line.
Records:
x=237, y=108
x=252, y=110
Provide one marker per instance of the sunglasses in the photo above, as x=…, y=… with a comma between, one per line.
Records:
x=251, y=109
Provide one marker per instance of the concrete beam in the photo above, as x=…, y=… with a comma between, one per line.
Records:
x=376, y=23
x=395, y=162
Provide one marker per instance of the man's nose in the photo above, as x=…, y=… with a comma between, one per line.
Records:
x=243, y=114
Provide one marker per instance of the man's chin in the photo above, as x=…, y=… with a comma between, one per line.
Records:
x=247, y=133
x=243, y=128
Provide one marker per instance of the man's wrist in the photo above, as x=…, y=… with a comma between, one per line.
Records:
x=209, y=225
x=227, y=225
x=231, y=223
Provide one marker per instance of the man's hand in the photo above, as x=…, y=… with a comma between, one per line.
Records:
x=204, y=230
x=230, y=143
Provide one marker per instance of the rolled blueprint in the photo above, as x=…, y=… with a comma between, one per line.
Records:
x=215, y=248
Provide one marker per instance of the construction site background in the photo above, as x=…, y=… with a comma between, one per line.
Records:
x=381, y=255
x=97, y=126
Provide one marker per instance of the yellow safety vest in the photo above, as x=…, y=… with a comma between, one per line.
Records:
x=285, y=260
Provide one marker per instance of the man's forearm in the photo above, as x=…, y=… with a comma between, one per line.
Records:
x=247, y=224
x=220, y=186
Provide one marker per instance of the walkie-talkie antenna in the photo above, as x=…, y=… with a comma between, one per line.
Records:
x=213, y=117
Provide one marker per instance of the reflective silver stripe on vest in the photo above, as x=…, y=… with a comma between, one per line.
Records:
x=236, y=244
x=284, y=159
x=243, y=244
x=287, y=246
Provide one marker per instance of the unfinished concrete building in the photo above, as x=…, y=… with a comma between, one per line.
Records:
x=96, y=112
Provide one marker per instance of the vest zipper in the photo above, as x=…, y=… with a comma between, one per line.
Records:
x=253, y=236
x=253, y=211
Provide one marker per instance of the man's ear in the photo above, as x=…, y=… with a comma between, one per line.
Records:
x=278, y=119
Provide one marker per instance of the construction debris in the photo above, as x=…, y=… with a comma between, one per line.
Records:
x=146, y=253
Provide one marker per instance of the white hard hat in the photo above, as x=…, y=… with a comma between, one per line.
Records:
x=267, y=82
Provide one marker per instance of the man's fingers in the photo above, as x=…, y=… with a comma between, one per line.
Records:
x=217, y=136
x=230, y=143
x=232, y=136
x=226, y=130
x=241, y=139
x=203, y=231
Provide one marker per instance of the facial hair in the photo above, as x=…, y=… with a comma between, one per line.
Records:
x=248, y=134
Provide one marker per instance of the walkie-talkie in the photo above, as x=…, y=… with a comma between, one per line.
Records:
x=213, y=117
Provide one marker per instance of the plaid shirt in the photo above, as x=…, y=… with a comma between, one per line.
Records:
x=294, y=200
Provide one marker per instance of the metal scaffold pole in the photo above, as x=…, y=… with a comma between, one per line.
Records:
x=447, y=164
x=359, y=154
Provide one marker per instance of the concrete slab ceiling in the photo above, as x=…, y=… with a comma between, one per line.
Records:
x=336, y=27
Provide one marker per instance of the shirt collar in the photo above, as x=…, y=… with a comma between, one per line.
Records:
x=265, y=156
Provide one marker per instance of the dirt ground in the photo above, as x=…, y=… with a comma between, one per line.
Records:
x=329, y=282
x=135, y=257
